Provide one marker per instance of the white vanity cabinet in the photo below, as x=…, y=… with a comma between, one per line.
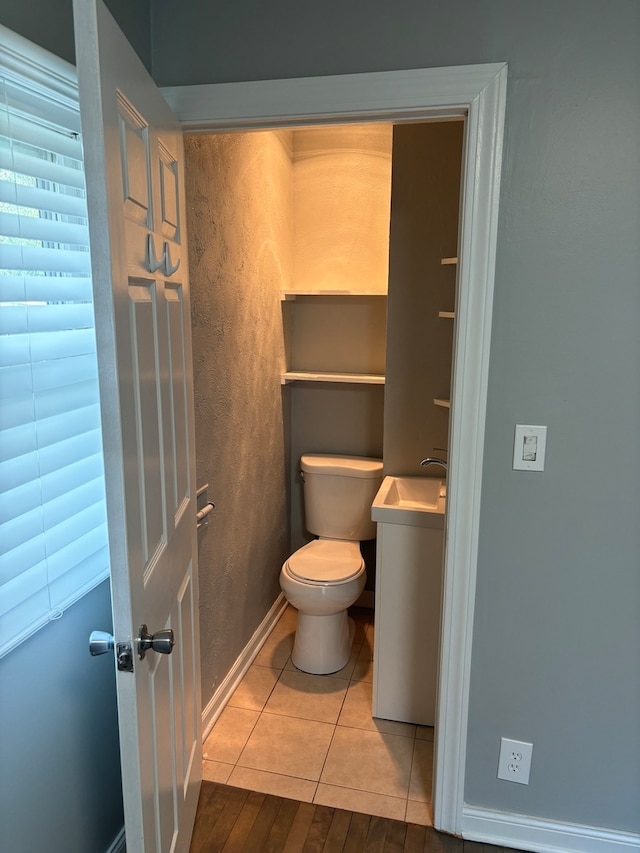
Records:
x=407, y=626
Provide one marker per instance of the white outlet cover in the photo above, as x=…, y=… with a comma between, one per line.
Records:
x=514, y=763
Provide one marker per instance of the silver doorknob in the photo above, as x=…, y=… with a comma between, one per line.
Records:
x=100, y=642
x=162, y=641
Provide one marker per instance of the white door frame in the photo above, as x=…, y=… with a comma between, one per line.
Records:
x=478, y=93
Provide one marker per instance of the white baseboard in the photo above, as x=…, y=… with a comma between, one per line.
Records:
x=119, y=843
x=542, y=836
x=224, y=692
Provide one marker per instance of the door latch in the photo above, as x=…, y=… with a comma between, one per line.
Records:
x=124, y=657
x=101, y=642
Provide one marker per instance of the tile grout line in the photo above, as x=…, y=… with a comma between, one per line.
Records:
x=335, y=725
x=324, y=763
x=413, y=758
x=260, y=713
x=257, y=720
x=350, y=680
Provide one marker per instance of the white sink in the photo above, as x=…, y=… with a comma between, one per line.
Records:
x=418, y=501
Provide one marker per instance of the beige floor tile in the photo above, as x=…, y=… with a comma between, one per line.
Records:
x=363, y=670
x=347, y=670
x=369, y=761
x=425, y=732
x=310, y=697
x=288, y=746
x=216, y=771
x=369, y=634
x=255, y=688
x=277, y=735
x=228, y=737
x=344, y=673
x=356, y=713
x=288, y=622
x=421, y=781
x=276, y=651
x=362, y=617
x=360, y=801
x=273, y=783
x=421, y=813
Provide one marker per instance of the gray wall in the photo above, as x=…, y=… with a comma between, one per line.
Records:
x=49, y=23
x=331, y=418
x=239, y=227
x=341, y=200
x=60, y=781
x=425, y=198
x=556, y=634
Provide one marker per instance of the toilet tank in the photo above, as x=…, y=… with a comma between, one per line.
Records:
x=338, y=493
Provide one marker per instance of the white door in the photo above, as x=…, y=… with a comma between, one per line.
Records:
x=134, y=163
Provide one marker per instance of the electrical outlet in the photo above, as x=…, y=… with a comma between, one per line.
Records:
x=514, y=763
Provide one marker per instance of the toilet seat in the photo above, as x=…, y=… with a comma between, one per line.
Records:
x=326, y=561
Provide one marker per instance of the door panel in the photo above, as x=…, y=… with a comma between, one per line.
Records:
x=135, y=166
x=133, y=157
x=176, y=322
x=169, y=198
x=149, y=458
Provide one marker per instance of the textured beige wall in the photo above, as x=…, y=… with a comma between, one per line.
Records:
x=424, y=229
x=342, y=194
x=239, y=220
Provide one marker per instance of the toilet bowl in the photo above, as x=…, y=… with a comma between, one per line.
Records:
x=323, y=579
x=326, y=576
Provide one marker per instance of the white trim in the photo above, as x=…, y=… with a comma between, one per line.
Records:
x=543, y=836
x=119, y=843
x=23, y=60
x=479, y=93
x=386, y=95
x=246, y=657
x=476, y=267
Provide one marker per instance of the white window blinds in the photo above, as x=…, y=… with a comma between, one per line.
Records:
x=53, y=537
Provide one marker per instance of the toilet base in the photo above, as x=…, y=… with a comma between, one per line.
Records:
x=322, y=644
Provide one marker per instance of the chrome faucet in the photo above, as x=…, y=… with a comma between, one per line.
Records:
x=433, y=460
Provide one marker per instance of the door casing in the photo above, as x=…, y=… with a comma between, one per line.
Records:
x=477, y=93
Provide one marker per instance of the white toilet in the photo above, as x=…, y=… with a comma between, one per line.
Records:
x=323, y=578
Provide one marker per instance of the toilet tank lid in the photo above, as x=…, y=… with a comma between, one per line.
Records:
x=346, y=466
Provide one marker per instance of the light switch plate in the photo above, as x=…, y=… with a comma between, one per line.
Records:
x=529, y=447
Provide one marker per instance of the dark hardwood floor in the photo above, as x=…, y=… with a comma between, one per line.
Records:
x=232, y=819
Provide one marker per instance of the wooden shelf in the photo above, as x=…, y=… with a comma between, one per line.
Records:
x=290, y=295
x=445, y=404
x=447, y=261
x=351, y=378
x=334, y=336
x=447, y=315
